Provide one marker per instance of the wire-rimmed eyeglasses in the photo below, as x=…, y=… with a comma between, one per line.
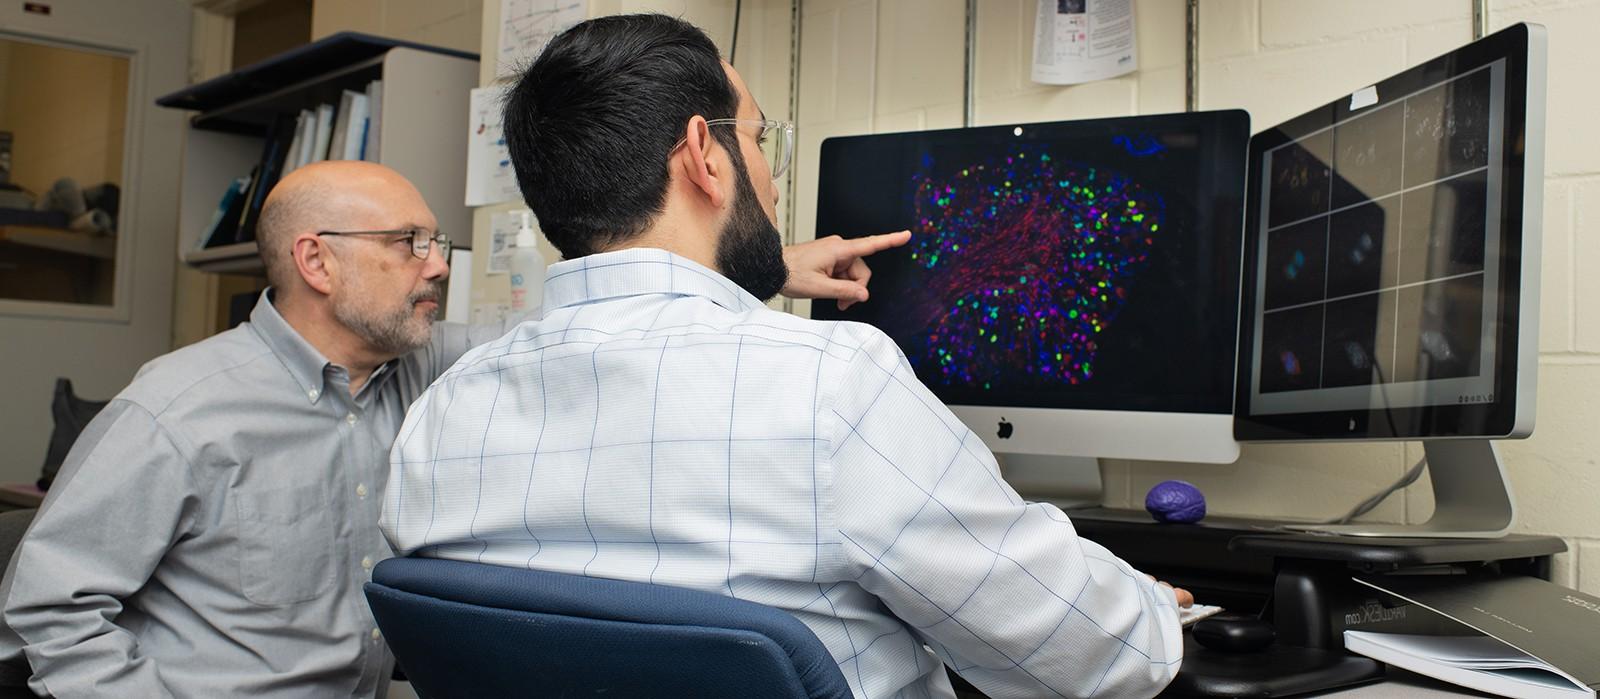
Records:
x=776, y=140
x=422, y=240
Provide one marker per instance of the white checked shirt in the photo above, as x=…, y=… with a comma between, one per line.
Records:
x=662, y=425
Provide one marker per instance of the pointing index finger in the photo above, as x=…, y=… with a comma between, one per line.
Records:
x=861, y=247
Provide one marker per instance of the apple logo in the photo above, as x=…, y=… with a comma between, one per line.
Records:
x=1005, y=429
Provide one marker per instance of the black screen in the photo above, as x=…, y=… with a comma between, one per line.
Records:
x=1088, y=264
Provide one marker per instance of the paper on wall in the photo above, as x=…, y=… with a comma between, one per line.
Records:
x=1079, y=41
x=503, y=226
x=490, y=178
x=527, y=25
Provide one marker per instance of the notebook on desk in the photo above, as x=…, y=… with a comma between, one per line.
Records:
x=1534, y=639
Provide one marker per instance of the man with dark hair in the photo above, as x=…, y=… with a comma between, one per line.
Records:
x=660, y=424
x=211, y=529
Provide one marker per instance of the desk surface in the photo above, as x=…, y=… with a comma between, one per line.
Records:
x=1402, y=684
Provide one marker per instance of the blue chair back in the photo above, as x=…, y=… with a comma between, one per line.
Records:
x=473, y=630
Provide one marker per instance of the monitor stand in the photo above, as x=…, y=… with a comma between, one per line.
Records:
x=1068, y=482
x=1471, y=495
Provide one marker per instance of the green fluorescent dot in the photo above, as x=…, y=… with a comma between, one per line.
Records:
x=992, y=338
x=1058, y=356
x=1138, y=217
x=1008, y=183
x=963, y=173
x=1072, y=313
x=1132, y=203
x=1023, y=280
x=1155, y=228
x=958, y=247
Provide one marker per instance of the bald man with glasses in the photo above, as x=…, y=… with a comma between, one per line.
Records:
x=211, y=529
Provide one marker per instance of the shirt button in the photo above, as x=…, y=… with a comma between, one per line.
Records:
x=366, y=562
x=313, y=393
x=350, y=418
x=375, y=634
x=361, y=491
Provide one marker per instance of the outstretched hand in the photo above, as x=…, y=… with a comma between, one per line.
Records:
x=833, y=267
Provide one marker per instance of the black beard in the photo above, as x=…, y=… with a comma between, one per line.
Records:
x=749, y=249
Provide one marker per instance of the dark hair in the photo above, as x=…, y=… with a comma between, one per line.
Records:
x=590, y=124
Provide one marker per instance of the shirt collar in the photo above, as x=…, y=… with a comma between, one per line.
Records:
x=311, y=371
x=635, y=272
x=302, y=360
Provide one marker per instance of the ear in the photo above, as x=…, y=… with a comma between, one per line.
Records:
x=702, y=172
x=314, y=261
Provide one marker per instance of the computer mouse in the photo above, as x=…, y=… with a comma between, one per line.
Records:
x=1234, y=633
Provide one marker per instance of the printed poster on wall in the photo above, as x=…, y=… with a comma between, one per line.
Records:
x=490, y=177
x=527, y=25
x=1079, y=41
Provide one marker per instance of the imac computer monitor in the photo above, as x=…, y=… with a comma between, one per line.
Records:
x=1070, y=288
x=1392, y=271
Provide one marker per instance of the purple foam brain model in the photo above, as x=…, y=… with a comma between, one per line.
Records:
x=1175, y=501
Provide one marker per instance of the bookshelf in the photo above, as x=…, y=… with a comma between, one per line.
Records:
x=422, y=132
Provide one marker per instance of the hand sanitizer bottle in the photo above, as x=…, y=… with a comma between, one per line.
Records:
x=527, y=269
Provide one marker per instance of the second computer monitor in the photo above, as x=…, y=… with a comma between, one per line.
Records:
x=1070, y=288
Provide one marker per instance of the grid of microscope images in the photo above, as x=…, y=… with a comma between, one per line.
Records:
x=1375, y=245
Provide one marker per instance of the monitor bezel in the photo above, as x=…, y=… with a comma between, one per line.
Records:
x=1510, y=413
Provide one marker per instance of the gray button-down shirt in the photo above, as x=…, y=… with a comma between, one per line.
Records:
x=211, y=529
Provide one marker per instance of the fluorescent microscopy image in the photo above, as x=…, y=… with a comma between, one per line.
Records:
x=1447, y=129
x=1297, y=265
x=1301, y=174
x=1291, y=349
x=1366, y=155
x=1029, y=258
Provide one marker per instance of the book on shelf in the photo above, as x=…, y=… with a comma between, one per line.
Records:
x=371, y=145
x=274, y=153
x=323, y=134
x=349, y=126
x=222, y=227
x=305, y=131
x=1519, y=636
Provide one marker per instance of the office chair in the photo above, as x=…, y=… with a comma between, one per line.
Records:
x=472, y=630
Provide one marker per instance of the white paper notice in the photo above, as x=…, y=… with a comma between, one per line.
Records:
x=490, y=178
x=1079, y=41
x=503, y=227
x=527, y=25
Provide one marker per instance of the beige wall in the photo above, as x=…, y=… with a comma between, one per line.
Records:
x=1275, y=58
x=448, y=23
x=65, y=109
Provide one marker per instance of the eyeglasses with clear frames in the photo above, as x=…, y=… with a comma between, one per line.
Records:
x=776, y=139
x=422, y=240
